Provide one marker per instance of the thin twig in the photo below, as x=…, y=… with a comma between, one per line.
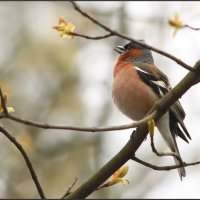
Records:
x=77, y=8
x=76, y=128
x=178, y=61
x=163, y=167
x=187, y=26
x=26, y=158
x=91, y=37
x=68, y=192
x=163, y=154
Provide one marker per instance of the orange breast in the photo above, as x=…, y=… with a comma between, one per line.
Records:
x=133, y=97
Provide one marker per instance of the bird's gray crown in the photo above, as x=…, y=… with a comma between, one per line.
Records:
x=133, y=45
x=145, y=56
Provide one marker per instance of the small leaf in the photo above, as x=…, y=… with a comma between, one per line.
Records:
x=10, y=109
x=115, y=181
x=176, y=23
x=117, y=177
x=124, y=181
x=65, y=28
x=121, y=172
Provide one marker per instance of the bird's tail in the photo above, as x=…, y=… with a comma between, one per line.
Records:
x=169, y=137
x=181, y=171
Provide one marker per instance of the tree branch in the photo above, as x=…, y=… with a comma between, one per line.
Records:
x=187, y=26
x=92, y=37
x=68, y=192
x=115, y=163
x=76, y=128
x=178, y=61
x=163, y=154
x=164, y=168
x=26, y=158
x=137, y=138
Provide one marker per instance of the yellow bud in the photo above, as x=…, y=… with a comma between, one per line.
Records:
x=117, y=177
x=10, y=109
x=121, y=172
x=176, y=22
x=65, y=28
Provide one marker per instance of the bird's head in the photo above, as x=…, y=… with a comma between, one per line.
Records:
x=134, y=52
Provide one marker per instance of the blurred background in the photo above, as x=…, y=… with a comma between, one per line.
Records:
x=68, y=82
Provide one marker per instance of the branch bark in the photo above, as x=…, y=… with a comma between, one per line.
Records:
x=76, y=128
x=115, y=163
x=164, y=168
x=27, y=160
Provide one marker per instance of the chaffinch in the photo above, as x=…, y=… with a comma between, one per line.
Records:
x=137, y=85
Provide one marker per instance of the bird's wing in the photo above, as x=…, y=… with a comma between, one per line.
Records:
x=159, y=83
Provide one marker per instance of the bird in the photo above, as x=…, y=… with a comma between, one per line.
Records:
x=137, y=84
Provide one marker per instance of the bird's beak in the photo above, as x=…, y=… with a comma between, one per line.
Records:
x=119, y=49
